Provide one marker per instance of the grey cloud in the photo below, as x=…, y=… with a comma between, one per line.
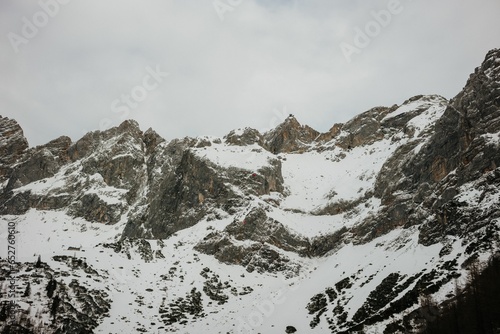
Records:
x=264, y=56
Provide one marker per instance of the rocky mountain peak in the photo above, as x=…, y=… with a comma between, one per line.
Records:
x=12, y=145
x=131, y=126
x=290, y=136
x=291, y=120
x=152, y=140
x=244, y=137
x=127, y=132
x=491, y=64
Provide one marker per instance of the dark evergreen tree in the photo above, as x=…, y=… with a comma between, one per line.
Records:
x=55, y=304
x=51, y=287
x=27, y=291
x=475, y=309
x=4, y=312
x=38, y=263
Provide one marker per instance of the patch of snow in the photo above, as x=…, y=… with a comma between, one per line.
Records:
x=252, y=157
x=317, y=179
x=424, y=102
x=492, y=138
x=427, y=118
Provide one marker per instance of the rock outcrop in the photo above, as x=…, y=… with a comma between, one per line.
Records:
x=186, y=195
x=254, y=242
x=41, y=162
x=13, y=144
x=462, y=149
x=244, y=137
x=290, y=136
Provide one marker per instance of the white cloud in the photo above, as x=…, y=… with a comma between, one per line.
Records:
x=264, y=55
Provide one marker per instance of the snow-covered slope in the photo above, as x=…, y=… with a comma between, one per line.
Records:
x=345, y=231
x=138, y=288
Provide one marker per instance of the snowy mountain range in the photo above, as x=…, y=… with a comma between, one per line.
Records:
x=292, y=230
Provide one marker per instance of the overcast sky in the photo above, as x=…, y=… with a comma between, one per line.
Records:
x=205, y=67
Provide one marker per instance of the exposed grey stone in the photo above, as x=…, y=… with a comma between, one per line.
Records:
x=247, y=137
x=257, y=226
x=40, y=162
x=13, y=145
x=289, y=136
x=186, y=196
x=262, y=231
x=94, y=209
x=364, y=128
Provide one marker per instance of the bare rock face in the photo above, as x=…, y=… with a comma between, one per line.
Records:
x=461, y=149
x=123, y=144
x=289, y=136
x=363, y=129
x=13, y=144
x=129, y=246
x=23, y=166
x=112, y=158
x=160, y=177
x=152, y=140
x=258, y=257
x=331, y=134
x=258, y=182
x=372, y=125
x=244, y=137
x=262, y=232
x=190, y=188
x=185, y=197
x=464, y=149
x=94, y=209
x=258, y=227
x=41, y=162
x=116, y=154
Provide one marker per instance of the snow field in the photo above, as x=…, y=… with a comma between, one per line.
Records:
x=137, y=288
